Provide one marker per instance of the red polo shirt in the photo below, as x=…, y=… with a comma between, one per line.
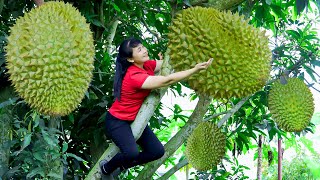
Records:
x=132, y=96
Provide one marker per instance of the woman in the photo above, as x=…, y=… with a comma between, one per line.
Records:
x=134, y=79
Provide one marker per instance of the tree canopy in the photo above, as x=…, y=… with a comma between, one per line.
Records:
x=33, y=145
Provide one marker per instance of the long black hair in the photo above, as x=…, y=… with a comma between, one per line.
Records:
x=122, y=63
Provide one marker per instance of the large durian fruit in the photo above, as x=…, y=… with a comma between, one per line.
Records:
x=205, y=146
x=291, y=104
x=50, y=56
x=241, y=64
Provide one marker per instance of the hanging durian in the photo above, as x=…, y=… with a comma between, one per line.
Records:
x=205, y=146
x=50, y=56
x=241, y=54
x=291, y=104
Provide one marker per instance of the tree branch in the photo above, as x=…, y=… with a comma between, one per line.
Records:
x=111, y=35
x=38, y=2
x=232, y=111
x=152, y=32
x=259, y=166
x=216, y=115
x=174, y=169
x=288, y=71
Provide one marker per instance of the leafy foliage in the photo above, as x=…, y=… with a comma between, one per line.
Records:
x=75, y=142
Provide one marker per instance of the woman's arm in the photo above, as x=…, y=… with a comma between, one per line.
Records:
x=158, y=67
x=154, y=82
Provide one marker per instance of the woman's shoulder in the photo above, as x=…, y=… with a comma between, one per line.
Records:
x=150, y=64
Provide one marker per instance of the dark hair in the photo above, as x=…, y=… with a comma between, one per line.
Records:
x=122, y=64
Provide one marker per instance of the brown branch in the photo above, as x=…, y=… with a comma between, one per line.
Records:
x=112, y=32
x=38, y=2
x=232, y=111
x=148, y=28
x=259, y=166
x=198, y=2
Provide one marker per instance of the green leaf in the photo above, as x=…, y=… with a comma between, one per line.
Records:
x=311, y=72
x=53, y=174
x=116, y=7
x=48, y=139
x=9, y=102
x=38, y=156
x=160, y=16
x=315, y=62
x=272, y=132
x=268, y=2
x=64, y=147
x=26, y=141
x=75, y=156
x=38, y=170
x=71, y=118
x=294, y=34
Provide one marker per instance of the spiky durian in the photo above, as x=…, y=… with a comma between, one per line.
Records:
x=241, y=54
x=50, y=55
x=291, y=104
x=205, y=146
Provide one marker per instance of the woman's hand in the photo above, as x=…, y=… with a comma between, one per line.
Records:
x=160, y=56
x=204, y=65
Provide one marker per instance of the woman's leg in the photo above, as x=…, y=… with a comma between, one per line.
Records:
x=120, y=133
x=152, y=149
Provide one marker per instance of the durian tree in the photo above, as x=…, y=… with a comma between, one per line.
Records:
x=80, y=134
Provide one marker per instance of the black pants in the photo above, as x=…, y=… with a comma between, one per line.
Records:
x=120, y=133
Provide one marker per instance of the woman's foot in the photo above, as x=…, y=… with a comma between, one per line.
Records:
x=107, y=175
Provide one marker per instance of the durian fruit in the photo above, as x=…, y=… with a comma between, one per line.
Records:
x=50, y=56
x=291, y=104
x=205, y=146
x=241, y=64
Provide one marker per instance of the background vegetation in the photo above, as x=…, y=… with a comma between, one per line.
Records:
x=36, y=146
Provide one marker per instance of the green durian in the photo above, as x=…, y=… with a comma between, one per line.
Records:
x=241, y=64
x=291, y=104
x=205, y=146
x=50, y=56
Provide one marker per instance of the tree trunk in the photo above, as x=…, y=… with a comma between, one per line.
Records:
x=259, y=168
x=6, y=117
